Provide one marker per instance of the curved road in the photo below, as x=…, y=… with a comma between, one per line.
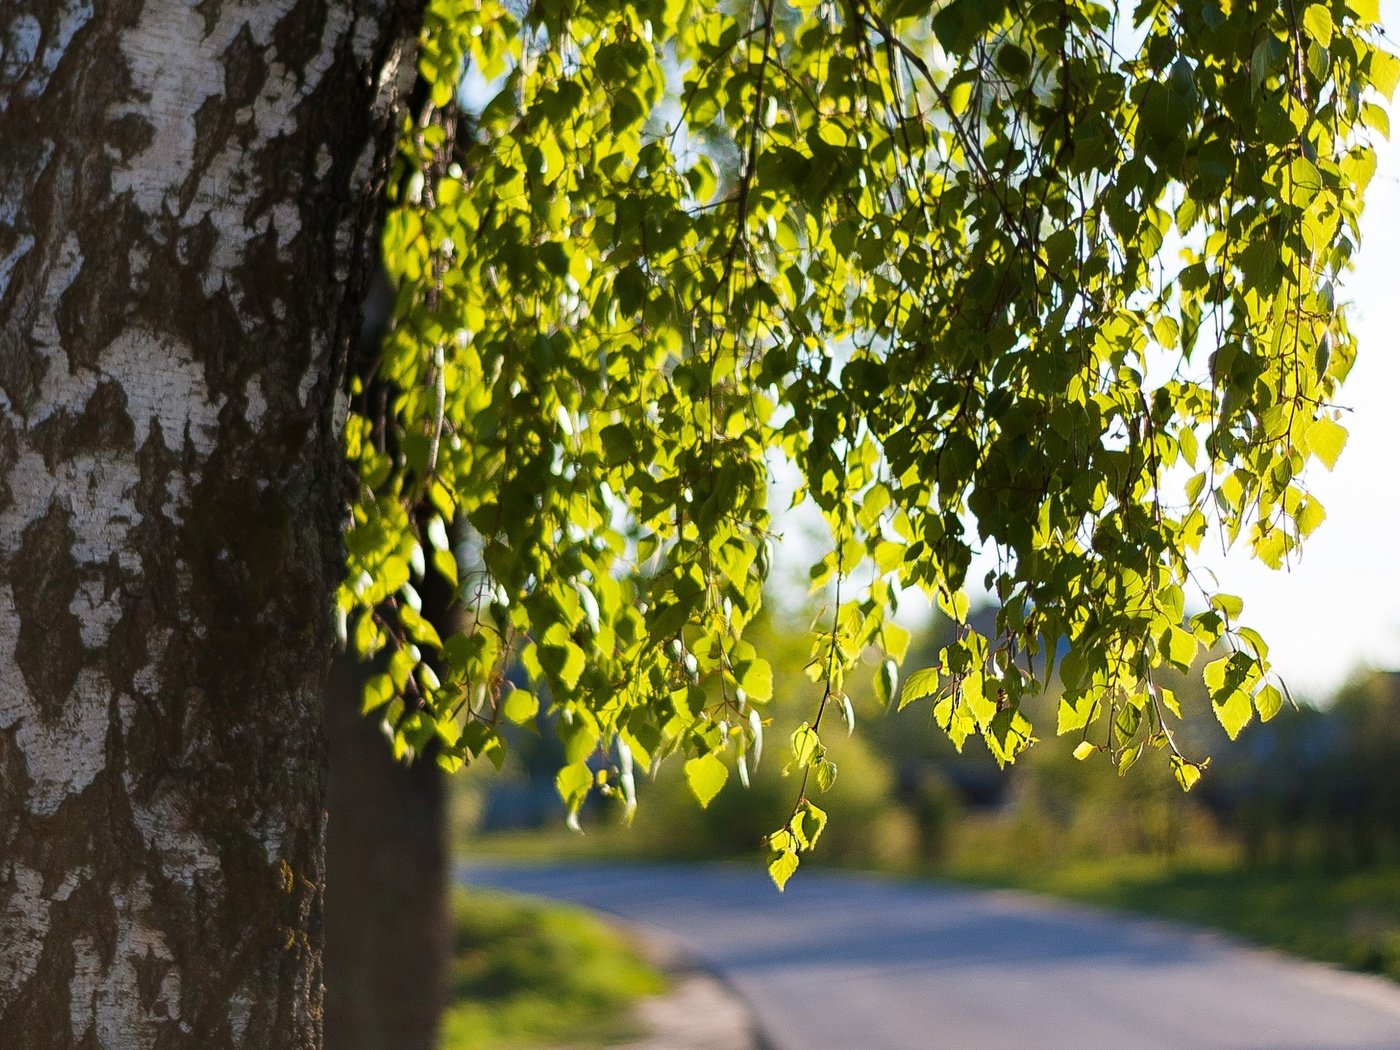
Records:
x=845, y=962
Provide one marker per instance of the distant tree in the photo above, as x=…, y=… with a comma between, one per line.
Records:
x=1317, y=788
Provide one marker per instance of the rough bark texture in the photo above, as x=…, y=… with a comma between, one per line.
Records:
x=182, y=192
x=388, y=938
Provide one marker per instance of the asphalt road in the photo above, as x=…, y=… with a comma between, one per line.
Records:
x=842, y=962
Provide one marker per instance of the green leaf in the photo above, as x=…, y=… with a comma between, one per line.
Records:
x=1230, y=605
x=1317, y=23
x=918, y=685
x=447, y=730
x=808, y=824
x=574, y=782
x=1186, y=773
x=1309, y=516
x=1385, y=72
x=551, y=160
x=1128, y=758
x=705, y=775
x=482, y=740
x=1268, y=701
x=1169, y=701
x=564, y=662
x=1325, y=440
x=418, y=628
x=1167, y=332
x=1075, y=713
x=781, y=865
x=961, y=23
x=1073, y=671
x=886, y=682
x=520, y=707
x=806, y=746
x=446, y=566
x=1083, y=750
x=1303, y=181
x=1233, y=710
x=1013, y=61
x=1215, y=672
x=379, y=690
x=1007, y=734
x=756, y=679
x=1180, y=646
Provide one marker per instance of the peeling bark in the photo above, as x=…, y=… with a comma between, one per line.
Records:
x=183, y=192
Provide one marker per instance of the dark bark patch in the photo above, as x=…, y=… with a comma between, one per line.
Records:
x=129, y=134
x=277, y=282
x=152, y=595
x=297, y=36
x=39, y=1016
x=240, y=542
x=245, y=70
x=102, y=425
x=9, y=456
x=45, y=579
x=196, y=248
x=209, y=9
x=15, y=775
x=21, y=369
x=95, y=308
x=150, y=973
x=217, y=121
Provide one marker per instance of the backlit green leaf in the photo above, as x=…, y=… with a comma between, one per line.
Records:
x=520, y=707
x=1326, y=439
x=705, y=775
x=781, y=865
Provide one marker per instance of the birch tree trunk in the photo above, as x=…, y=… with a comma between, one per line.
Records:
x=183, y=190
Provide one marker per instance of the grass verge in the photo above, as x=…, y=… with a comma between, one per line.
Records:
x=528, y=973
x=1349, y=918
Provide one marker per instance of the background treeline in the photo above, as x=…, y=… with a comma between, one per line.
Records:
x=1316, y=786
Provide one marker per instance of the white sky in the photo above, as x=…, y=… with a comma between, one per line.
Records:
x=1338, y=608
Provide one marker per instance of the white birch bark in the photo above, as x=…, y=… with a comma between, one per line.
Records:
x=184, y=189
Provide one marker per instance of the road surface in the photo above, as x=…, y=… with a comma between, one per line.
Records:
x=844, y=962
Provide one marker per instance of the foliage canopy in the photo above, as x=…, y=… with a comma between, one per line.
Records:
x=1042, y=281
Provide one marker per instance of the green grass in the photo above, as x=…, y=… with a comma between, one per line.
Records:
x=1350, y=918
x=556, y=843
x=528, y=974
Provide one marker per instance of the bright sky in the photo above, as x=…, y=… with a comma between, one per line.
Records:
x=1338, y=608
